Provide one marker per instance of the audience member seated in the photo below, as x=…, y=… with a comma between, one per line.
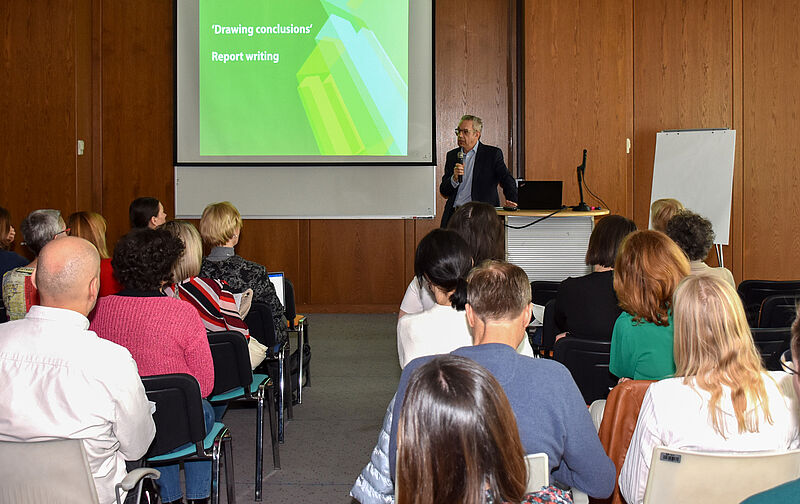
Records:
x=479, y=225
x=551, y=415
x=146, y=212
x=661, y=211
x=92, y=226
x=60, y=381
x=787, y=492
x=721, y=399
x=217, y=305
x=164, y=335
x=694, y=234
x=8, y=259
x=648, y=268
x=457, y=439
x=443, y=261
x=220, y=228
x=586, y=307
x=19, y=292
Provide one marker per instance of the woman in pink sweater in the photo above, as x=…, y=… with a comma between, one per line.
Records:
x=164, y=335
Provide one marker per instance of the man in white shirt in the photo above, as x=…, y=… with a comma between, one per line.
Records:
x=61, y=380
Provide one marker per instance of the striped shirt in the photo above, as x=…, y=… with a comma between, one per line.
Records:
x=214, y=301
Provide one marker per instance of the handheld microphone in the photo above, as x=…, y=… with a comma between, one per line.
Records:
x=461, y=160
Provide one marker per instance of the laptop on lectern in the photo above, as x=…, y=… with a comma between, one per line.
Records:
x=539, y=194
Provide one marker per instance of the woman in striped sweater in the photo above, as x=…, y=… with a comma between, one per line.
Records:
x=219, y=307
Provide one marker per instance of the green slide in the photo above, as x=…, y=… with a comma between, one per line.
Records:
x=303, y=77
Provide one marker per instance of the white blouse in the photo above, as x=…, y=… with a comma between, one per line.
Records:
x=439, y=330
x=676, y=415
x=417, y=298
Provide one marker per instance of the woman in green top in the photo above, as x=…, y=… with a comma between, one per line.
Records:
x=648, y=268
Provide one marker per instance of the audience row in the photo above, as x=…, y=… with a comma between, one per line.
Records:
x=161, y=297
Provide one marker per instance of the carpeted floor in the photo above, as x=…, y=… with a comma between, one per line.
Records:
x=354, y=373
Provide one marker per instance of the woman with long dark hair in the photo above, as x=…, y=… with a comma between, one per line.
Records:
x=443, y=261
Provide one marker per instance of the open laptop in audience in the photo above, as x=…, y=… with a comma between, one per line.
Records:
x=277, y=279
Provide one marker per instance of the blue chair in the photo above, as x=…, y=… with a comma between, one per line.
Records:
x=180, y=429
x=234, y=381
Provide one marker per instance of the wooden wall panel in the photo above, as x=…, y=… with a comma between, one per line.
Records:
x=137, y=107
x=683, y=74
x=357, y=263
x=771, y=151
x=578, y=81
x=38, y=126
x=276, y=245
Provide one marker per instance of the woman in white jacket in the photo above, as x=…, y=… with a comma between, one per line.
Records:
x=721, y=398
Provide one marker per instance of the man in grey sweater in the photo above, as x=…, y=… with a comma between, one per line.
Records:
x=551, y=414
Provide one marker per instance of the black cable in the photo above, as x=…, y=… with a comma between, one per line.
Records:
x=598, y=198
x=536, y=221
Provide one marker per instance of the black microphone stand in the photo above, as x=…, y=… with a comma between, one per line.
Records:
x=582, y=206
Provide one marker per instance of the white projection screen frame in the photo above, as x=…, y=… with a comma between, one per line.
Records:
x=302, y=186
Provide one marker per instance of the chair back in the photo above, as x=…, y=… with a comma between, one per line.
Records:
x=289, y=307
x=538, y=468
x=587, y=361
x=231, y=362
x=777, y=311
x=686, y=476
x=616, y=428
x=753, y=292
x=771, y=343
x=179, y=412
x=45, y=471
x=261, y=325
x=543, y=291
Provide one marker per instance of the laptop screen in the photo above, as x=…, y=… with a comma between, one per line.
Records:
x=277, y=280
x=539, y=194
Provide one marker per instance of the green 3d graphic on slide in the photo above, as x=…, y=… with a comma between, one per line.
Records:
x=303, y=77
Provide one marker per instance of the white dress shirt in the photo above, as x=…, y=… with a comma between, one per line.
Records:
x=676, y=415
x=61, y=381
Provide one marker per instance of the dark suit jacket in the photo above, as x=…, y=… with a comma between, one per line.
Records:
x=488, y=171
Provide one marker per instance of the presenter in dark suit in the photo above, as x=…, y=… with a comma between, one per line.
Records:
x=481, y=168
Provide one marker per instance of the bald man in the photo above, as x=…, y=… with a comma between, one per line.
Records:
x=61, y=381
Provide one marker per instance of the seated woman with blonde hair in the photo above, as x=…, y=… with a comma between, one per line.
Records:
x=721, y=399
x=220, y=227
x=91, y=226
x=458, y=441
x=648, y=268
x=662, y=210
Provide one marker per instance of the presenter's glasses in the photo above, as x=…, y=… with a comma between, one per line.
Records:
x=460, y=131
